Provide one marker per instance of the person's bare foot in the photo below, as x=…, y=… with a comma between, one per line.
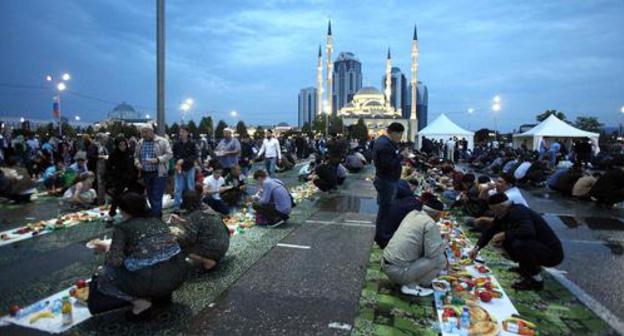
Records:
x=209, y=264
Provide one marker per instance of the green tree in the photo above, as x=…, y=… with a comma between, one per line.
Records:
x=542, y=116
x=359, y=130
x=590, y=124
x=192, y=128
x=318, y=125
x=90, y=130
x=306, y=128
x=205, y=126
x=219, y=130
x=241, y=129
x=259, y=134
x=174, y=129
x=336, y=125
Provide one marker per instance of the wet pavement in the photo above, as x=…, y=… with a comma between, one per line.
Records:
x=593, y=242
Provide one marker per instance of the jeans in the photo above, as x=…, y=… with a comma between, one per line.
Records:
x=184, y=181
x=270, y=163
x=269, y=212
x=531, y=255
x=155, y=188
x=386, y=193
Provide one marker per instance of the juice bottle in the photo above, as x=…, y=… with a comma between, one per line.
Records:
x=67, y=310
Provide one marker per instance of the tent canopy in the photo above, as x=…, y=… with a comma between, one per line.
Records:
x=443, y=128
x=553, y=127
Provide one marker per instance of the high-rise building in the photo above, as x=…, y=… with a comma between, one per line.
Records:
x=422, y=103
x=347, y=79
x=307, y=105
x=399, y=98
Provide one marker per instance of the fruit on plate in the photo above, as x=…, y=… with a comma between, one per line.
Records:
x=80, y=293
x=478, y=314
x=40, y=315
x=483, y=328
x=485, y=296
x=81, y=283
x=14, y=309
x=482, y=269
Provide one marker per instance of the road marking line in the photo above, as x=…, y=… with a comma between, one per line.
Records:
x=591, y=303
x=303, y=247
x=340, y=325
x=340, y=223
x=358, y=221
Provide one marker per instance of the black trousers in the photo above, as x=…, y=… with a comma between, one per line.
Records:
x=532, y=255
x=269, y=212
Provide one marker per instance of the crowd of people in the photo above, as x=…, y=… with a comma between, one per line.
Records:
x=148, y=258
x=414, y=189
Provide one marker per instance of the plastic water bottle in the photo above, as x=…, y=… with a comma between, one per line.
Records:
x=39, y=306
x=464, y=322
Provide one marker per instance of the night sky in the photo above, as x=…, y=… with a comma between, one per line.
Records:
x=254, y=56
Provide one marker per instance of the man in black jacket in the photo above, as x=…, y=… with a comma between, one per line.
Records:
x=525, y=236
x=387, y=169
x=184, y=155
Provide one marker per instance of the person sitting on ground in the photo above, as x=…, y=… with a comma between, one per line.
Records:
x=521, y=172
x=553, y=179
x=53, y=177
x=566, y=182
x=275, y=203
x=325, y=176
x=471, y=201
x=214, y=185
x=20, y=186
x=525, y=237
x=306, y=171
x=415, y=254
x=80, y=164
x=236, y=182
x=341, y=174
x=609, y=189
x=143, y=262
x=202, y=235
x=404, y=203
x=537, y=173
x=354, y=163
x=81, y=194
x=583, y=185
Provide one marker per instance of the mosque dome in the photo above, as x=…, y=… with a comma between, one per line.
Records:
x=124, y=111
x=369, y=90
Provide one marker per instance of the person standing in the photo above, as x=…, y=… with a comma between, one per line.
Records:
x=185, y=155
x=228, y=151
x=152, y=157
x=272, y=152
x=121, y=174
x=387, y=170
x=101, y=157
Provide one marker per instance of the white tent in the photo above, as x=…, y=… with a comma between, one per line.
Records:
x=443, y=128
x=555, y=128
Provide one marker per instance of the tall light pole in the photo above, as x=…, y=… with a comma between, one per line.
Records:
x=59, y=87
x=160, y=66
x=496, y=107
x=622, y=111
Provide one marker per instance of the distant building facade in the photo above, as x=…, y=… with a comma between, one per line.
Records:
x=399, y=98
x=347, y=79
x=307, y=105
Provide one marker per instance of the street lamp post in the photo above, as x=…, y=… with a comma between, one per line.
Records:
x=622, y=111
x=60, y=87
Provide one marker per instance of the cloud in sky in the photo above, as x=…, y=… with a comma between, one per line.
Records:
x=254, y=56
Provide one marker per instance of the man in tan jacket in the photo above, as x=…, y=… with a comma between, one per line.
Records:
x=415, y=254
x=151, y=157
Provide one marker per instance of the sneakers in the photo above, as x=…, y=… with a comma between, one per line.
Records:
x=415, y=290
x=528, y=284
x=276, y=224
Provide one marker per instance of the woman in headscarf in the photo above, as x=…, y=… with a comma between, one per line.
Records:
x=201, y=233
x=121, y=173
x=143, y=262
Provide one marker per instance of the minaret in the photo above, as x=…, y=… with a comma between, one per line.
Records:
x=330, y=70
x=319, y=83
x=413, y=122
x=388, y=90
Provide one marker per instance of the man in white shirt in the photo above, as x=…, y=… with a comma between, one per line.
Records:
x=213, y=187
x=272, y=152
x=521, y=171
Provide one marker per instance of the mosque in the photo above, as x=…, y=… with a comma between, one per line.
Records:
x=368, y=102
